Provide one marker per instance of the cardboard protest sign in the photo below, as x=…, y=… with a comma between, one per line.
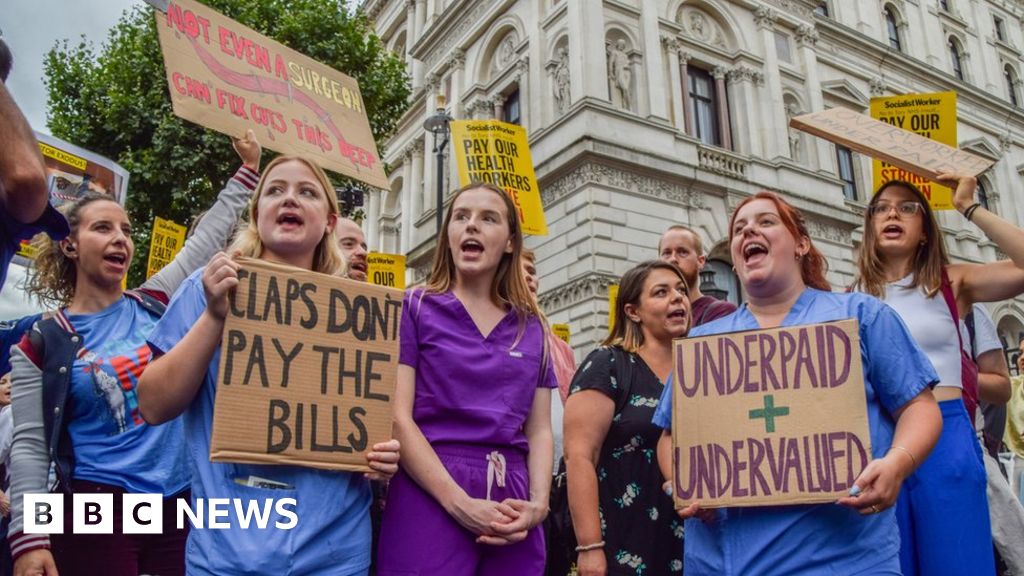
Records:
x=613, y=296
x=164, y=244
x=892, y=144
x=229, y=78
x=307, y=369
x=930, y=115
x=72, y=171
x=562, y=331
x=499, y=153
x=768, y=417
x=386, y=269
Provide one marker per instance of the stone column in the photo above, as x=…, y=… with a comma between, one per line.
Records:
x=722, y=103
x=684, y=82
x=523, y=81
x=655, y=70
x=807, y=40
x=773, y=114
x=457, y=63
x=675, y=86
x=409, y=190
x=373, y=201
x=588, y=72
x=743, y=91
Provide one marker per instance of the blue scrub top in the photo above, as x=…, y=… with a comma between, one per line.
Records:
x=332, y=535
x=822, y=539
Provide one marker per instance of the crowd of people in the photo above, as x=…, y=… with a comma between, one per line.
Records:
x=113, y=392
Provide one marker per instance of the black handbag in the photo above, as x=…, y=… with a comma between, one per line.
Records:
x=558, y=530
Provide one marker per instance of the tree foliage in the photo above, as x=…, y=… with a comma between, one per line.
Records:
x=115, y=101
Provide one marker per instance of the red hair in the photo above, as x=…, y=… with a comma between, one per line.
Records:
x=812, y=264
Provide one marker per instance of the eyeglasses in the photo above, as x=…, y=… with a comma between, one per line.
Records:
x=903, y=208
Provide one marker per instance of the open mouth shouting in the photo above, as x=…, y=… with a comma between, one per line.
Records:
x=358, y=266
x=289, y=221
x=754, y=252
x=471, y=248
x=678, y=315
x=892, y=231
x=118, y=259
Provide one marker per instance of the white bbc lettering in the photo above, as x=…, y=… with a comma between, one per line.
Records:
x=142, y=514
x=93, y=514
x=44, y=513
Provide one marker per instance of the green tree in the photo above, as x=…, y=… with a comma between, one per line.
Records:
x=115, y=101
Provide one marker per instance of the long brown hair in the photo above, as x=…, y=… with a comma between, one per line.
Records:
x=53, y=276
x=626, y=333
x=813, y=264
x=327, y=259
x=929, y=260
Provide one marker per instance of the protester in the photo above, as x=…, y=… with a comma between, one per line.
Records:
x=291, y=221
x=683, y=247
x=99, y=335
x=24, y=199
x=624, y=522
x=943, y=512
x=561, y=353
x=1005, y=513
x=353, y=247
x=1014, y=436
x=782, y=273
x=472, y=405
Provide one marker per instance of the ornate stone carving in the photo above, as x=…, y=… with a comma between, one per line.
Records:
x=458, y=59
x=719, y=72
x=825, y=231
x=877, y=86
x=576, y=291
x=620, y=75
x=700, y=26
x=671, y=43
x=765, y=17
x=469, y=21
x=560, y=81
x=505, y=53
x=806, y=35
x=1005, y=141
x=745, y=74
x=415, y=148
x=431, y=82
x=522, y=67
x=614, y=177
x=793, y=7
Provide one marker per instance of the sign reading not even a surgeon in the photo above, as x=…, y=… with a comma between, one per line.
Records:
x=766, y=417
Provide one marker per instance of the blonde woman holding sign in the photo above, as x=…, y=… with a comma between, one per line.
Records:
x=783, y=276
x=943, y=510
x=291, y=221
x=76, y=383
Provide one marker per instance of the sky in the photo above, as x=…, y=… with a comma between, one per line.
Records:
x=32, y=27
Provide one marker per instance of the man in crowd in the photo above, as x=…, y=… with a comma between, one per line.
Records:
x=353, y=246
x=682, y=247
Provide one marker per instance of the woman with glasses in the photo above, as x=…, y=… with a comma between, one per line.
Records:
x=942, y=509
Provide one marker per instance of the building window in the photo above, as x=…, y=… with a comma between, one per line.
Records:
x=1000, y=28
x=982, y=193
x=1011, y=85
x=944, y=5
x=704, y=107
x=956, y=58
x=893, y=29
x=822, y=9
x=844, y=160
x=782, y=47
x=510, y=109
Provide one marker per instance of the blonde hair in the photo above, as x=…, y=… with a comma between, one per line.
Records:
x=53, y=277
x=929, y=260
x=327, y=259
x=508, y=287
x=626, y=333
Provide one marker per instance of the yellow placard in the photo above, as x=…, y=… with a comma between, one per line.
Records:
x=562, y=331
x=62, y=156
x=613, y=295
x=498, y=152
x=930, y=115
x=385, y=269
x=164, y=244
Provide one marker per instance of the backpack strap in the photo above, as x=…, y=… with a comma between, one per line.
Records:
x=150, y=301
x=946, y=287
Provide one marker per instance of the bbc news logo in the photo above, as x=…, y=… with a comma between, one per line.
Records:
x=143, y=513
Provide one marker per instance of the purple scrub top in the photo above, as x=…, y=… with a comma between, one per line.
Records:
x=471, y=389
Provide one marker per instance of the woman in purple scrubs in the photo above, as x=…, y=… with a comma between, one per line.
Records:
x=472, y=406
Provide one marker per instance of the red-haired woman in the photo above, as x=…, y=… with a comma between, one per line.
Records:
x=783, y=275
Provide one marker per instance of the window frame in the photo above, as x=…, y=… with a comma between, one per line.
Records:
x=850, y=191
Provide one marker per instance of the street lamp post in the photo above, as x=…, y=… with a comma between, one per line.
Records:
x=708, y=286
x=437, y=124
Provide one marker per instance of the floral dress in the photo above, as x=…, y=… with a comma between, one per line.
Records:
x=642, y=533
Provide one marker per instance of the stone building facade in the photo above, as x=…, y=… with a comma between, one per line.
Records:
x=648, y=113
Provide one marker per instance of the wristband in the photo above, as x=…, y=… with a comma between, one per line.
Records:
x=909, y=453
x=589, y=547
x=969, y=213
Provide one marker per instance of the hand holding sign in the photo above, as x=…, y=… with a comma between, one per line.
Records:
x=219, y=278
x=249, y=150
x=964, y=187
